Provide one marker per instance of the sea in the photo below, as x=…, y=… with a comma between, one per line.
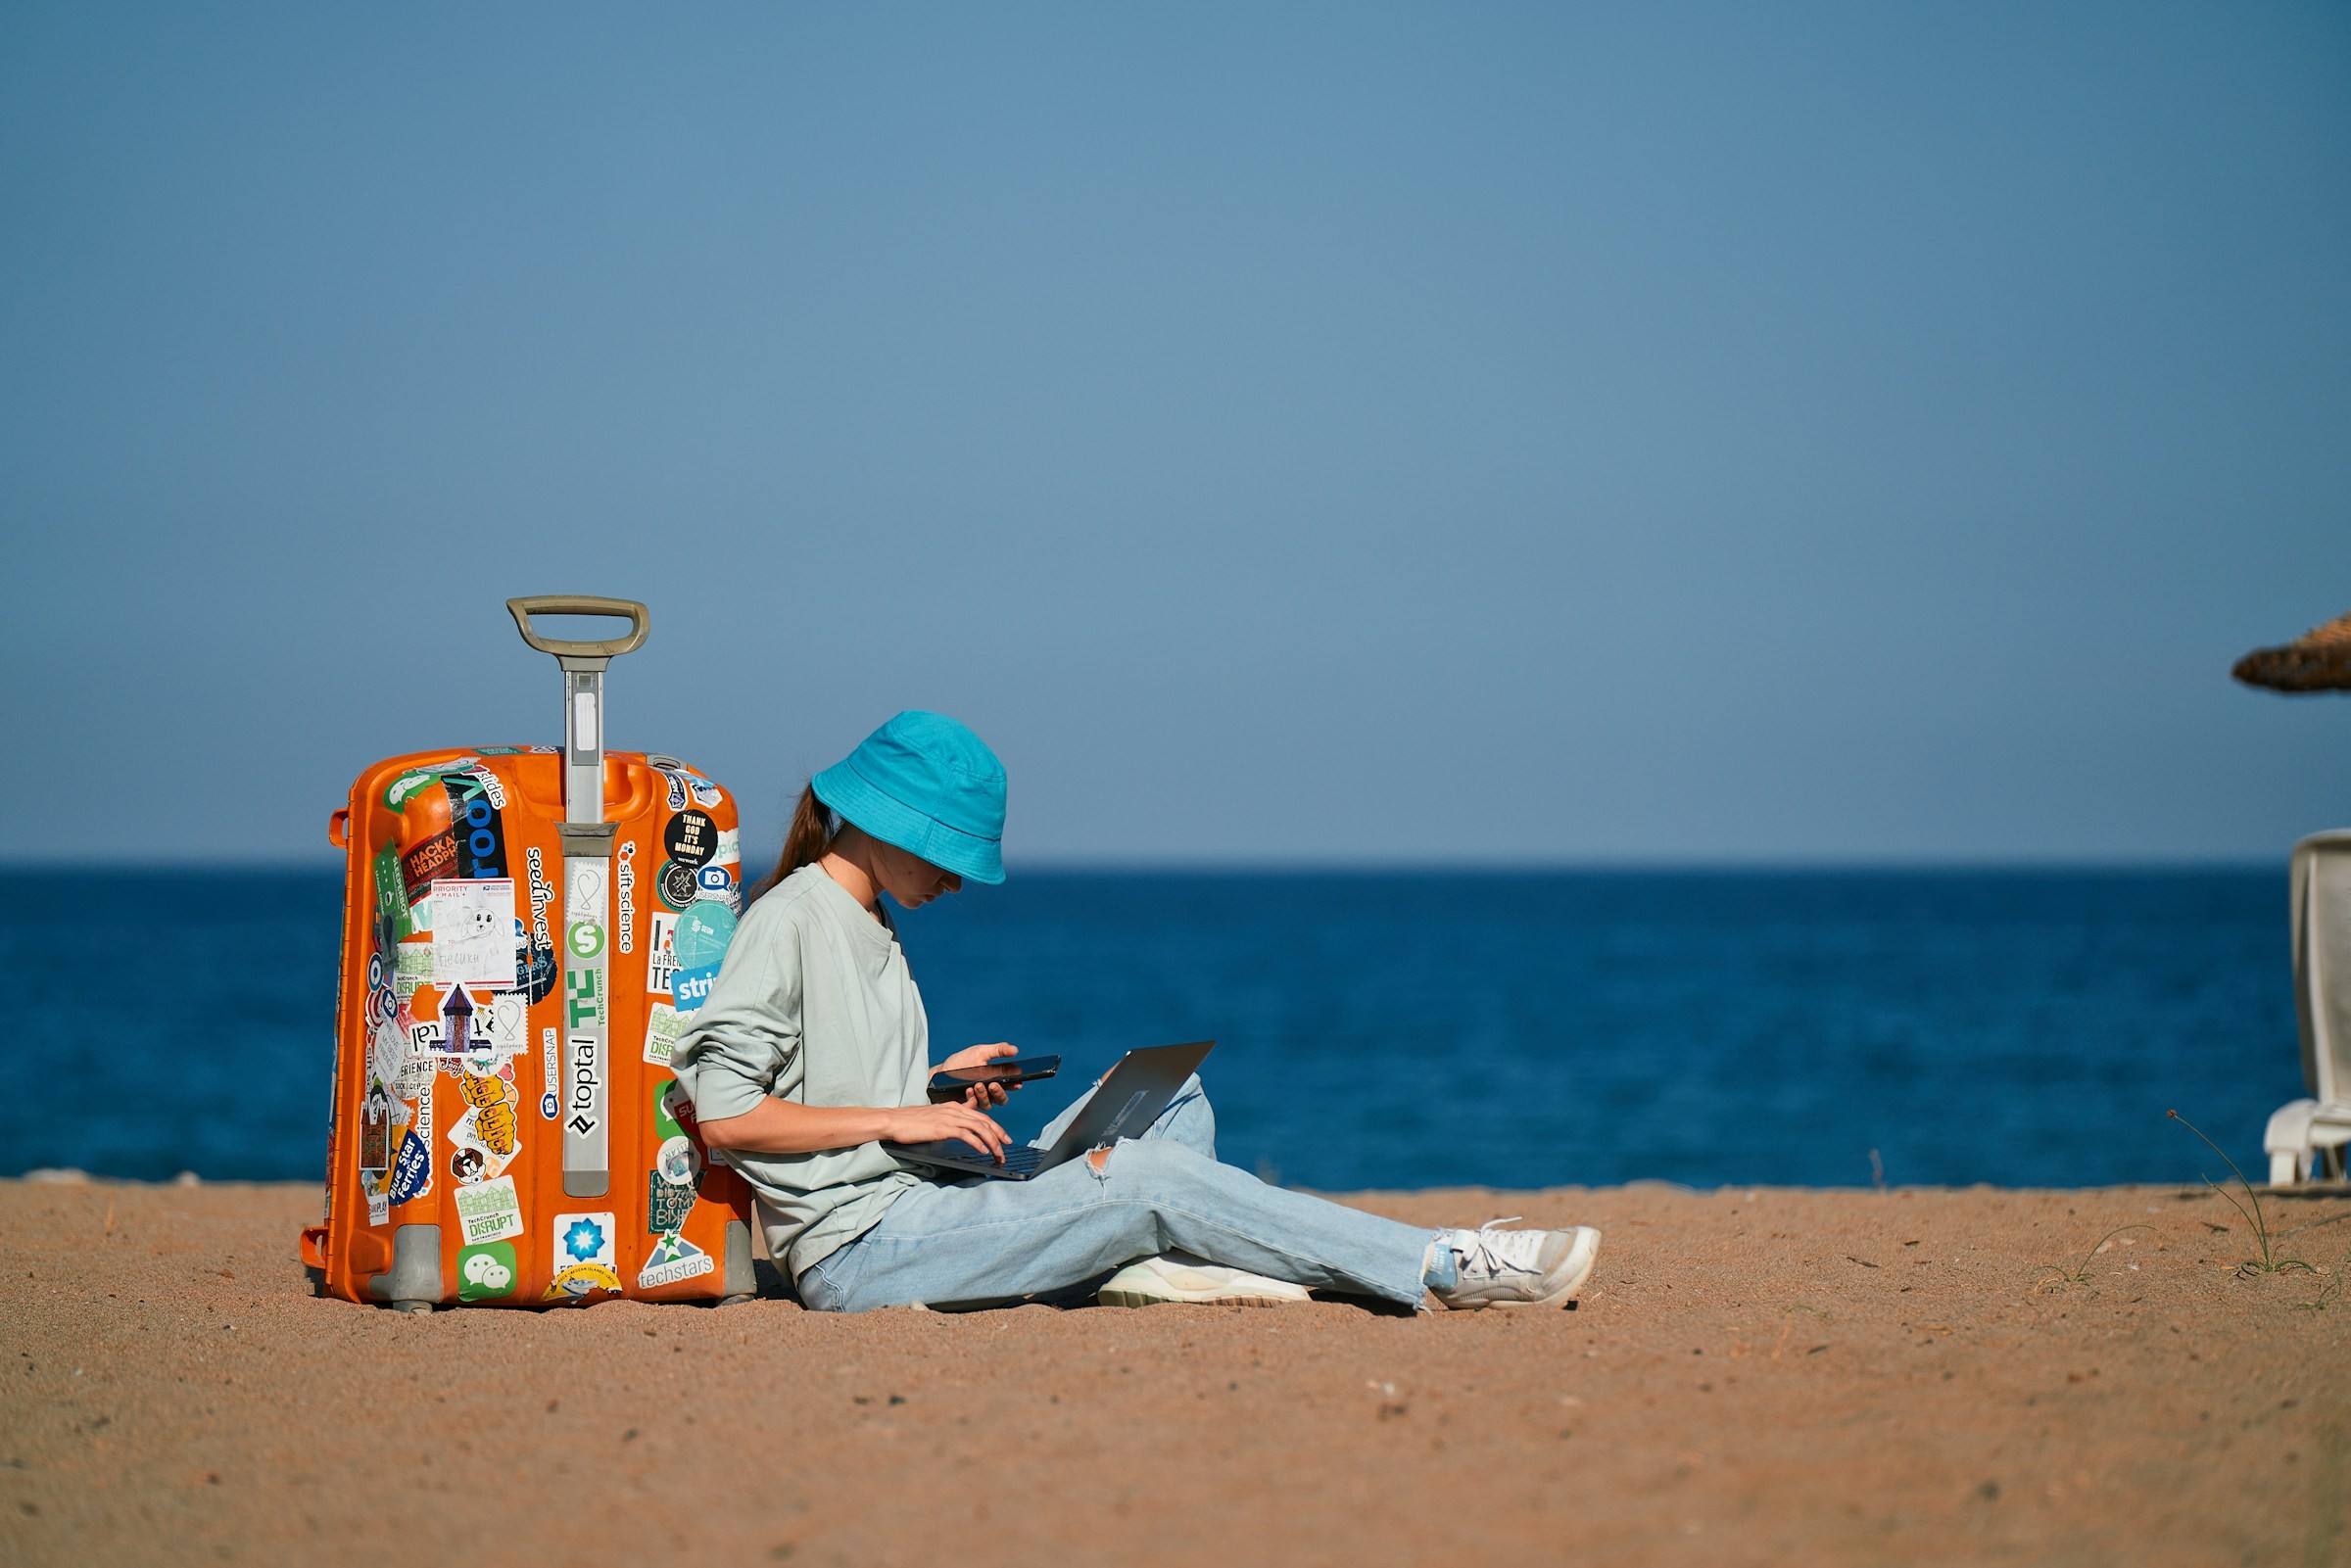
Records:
x=1833, y=1028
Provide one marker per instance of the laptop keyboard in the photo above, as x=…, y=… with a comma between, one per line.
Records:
x=1018, y=1157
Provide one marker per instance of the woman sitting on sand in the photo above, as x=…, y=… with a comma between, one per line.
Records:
x=812, y=1049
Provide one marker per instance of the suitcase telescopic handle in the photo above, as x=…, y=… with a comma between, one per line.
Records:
x=639, y=619
x=583, y=691
x=586, y=839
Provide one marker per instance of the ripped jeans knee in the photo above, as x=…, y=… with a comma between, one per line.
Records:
x=1145, y=1168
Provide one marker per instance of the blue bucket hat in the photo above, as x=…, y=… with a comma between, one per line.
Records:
x=926, y=783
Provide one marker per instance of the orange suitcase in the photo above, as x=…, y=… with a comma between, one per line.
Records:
x=526, y=931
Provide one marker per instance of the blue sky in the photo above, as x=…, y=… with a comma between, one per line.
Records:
x=1307, y=433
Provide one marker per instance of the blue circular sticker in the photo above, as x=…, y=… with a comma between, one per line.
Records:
x=703, y=934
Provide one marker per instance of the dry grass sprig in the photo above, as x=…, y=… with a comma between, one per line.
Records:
x=2268, y=1262
x=2055, y=1277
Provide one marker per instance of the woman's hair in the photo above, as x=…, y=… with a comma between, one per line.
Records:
x=813, y=829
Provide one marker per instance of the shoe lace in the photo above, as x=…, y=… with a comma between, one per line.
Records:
x=1494, y=1251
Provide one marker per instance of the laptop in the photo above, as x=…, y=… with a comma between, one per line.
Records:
x=1129, y=1099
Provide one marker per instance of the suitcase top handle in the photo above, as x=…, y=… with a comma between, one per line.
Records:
x=640, y=623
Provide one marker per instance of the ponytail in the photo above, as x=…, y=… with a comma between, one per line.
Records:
x=812, y=831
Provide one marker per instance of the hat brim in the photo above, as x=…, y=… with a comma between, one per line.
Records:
x=968, y=855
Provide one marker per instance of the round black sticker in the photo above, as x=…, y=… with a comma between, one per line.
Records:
x=692, y=837
x=678, y=886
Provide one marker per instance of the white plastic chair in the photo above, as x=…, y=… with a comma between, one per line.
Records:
x=2306, y=1139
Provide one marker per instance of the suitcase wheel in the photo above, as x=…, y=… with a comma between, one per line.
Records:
x=412, y=1307
x=314, y=1246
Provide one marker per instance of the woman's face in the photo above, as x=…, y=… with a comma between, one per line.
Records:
x=909, y=878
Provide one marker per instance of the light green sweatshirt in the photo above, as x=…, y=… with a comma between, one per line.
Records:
x=813, y=1004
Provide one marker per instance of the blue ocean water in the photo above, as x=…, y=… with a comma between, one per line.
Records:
x=1375, y=1030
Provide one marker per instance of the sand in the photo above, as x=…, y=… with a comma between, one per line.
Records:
x=1767, y=1376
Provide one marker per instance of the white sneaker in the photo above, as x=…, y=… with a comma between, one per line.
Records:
x=1518, y=1267
x=1181, y=1277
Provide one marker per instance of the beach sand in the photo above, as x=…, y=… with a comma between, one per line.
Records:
x=1754, y=1376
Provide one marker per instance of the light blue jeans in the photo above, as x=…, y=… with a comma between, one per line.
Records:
x=968, y=1241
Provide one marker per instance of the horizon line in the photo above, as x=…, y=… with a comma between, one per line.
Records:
x=1329, y=866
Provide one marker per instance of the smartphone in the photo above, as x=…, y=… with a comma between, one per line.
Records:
x=949, y=1084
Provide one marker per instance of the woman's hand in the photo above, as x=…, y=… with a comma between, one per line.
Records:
x=930, y=1123
x=980, y=1095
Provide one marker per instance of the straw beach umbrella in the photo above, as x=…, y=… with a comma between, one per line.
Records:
x=2305, y=1136
x=2319, y=660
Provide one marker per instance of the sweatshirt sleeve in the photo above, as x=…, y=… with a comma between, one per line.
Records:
x=744, y=1045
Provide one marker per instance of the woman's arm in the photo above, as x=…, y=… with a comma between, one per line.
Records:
x=787, y=1128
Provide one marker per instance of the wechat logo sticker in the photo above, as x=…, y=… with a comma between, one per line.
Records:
x=405, y=786
x=486, y=1273
x=586, y=938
